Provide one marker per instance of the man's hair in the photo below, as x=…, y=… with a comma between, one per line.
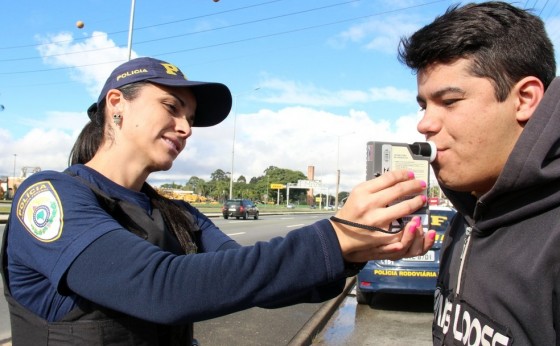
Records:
x=503, y=42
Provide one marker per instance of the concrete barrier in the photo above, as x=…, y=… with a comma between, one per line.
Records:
x=318, y=321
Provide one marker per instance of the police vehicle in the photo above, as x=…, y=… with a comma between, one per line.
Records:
x=415, y=275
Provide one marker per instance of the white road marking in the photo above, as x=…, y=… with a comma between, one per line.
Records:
x=298, y=225
x=238, y=233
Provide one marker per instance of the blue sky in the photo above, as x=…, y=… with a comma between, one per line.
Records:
x=313, y=81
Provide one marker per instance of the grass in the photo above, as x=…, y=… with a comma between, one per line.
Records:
x=263, y=208
x=5, y=207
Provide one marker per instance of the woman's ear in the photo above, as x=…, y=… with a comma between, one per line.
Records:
x=114, y=98
x=529, y=92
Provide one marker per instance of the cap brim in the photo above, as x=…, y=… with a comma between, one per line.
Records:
x=213, y=100
x=213, y=104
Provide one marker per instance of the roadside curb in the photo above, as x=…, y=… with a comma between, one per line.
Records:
x=307, y=333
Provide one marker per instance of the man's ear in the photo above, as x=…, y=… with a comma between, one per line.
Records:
x=529, y=92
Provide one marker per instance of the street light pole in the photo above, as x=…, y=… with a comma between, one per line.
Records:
x=233, y=150
x=130, y=28
x=14, y=179
x=337, y=174
x=338, y=169
x=233, y=142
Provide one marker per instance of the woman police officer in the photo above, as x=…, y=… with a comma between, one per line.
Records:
x=95, y=256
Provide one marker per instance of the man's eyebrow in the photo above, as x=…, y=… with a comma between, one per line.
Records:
x=439, y=93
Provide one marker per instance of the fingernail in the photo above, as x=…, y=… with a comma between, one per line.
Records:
x=413, y=227
x=432, y=235
x=424, y=198
x=411, y=174
x=423, y=183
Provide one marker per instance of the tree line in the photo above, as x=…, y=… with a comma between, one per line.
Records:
x=256, y=189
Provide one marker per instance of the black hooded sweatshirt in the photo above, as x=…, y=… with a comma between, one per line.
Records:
x=499, y=279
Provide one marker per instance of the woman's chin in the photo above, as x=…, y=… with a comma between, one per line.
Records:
x=161, y=166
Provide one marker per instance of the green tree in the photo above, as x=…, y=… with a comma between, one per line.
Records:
x=219, y=175
x=275, y=175
x=218, y=186
x=197, y=185
x=172, y=186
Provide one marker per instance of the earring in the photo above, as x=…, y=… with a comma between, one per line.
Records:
x=117, y=118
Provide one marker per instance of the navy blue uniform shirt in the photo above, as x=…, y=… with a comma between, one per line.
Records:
x=63, y=247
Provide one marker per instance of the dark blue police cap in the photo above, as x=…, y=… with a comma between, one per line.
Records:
x=213, y=99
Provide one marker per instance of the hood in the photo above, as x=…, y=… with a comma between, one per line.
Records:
x=530, y=180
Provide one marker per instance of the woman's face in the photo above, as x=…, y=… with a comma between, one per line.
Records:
x=155, y=126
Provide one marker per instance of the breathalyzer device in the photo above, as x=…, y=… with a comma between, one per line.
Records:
x=383, y=157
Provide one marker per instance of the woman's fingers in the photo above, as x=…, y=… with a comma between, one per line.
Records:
x=411, y=241
x=415, y=241
x=377, y=204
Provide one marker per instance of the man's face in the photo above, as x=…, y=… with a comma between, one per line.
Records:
x=473, y=132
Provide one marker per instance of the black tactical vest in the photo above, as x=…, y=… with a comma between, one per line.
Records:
x=89, y=323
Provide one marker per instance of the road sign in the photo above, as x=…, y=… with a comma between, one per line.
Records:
x=309, y=184
x=277, y=186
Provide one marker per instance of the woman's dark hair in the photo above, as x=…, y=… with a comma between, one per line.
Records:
x=505, y=44
x=89, y=141
x=93, y=134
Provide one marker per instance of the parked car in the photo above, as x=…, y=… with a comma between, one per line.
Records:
x=329, y=207
x=290, y=206
x=240, y=208
x=415, y=275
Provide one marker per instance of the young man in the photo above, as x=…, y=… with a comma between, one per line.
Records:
x=482, y=71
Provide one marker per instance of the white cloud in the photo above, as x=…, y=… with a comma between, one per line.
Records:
x=91, y=60
x=291, y=137
x=377, y=34
x=64, y=121
x=279, y=91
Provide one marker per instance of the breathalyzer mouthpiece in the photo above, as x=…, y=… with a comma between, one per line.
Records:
x=426, y=149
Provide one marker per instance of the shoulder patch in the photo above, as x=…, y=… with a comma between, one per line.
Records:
x=40, y=211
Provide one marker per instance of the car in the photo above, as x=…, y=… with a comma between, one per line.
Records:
x=290, y=206
x=415, y=275
x=240, y=208
x=329, y=207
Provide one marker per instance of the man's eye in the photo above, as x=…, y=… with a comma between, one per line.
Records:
x=172, y=108
x=449, y=102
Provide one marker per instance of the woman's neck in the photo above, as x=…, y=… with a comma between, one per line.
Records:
x=120, y=171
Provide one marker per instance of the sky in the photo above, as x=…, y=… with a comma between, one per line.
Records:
x=312, y=81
